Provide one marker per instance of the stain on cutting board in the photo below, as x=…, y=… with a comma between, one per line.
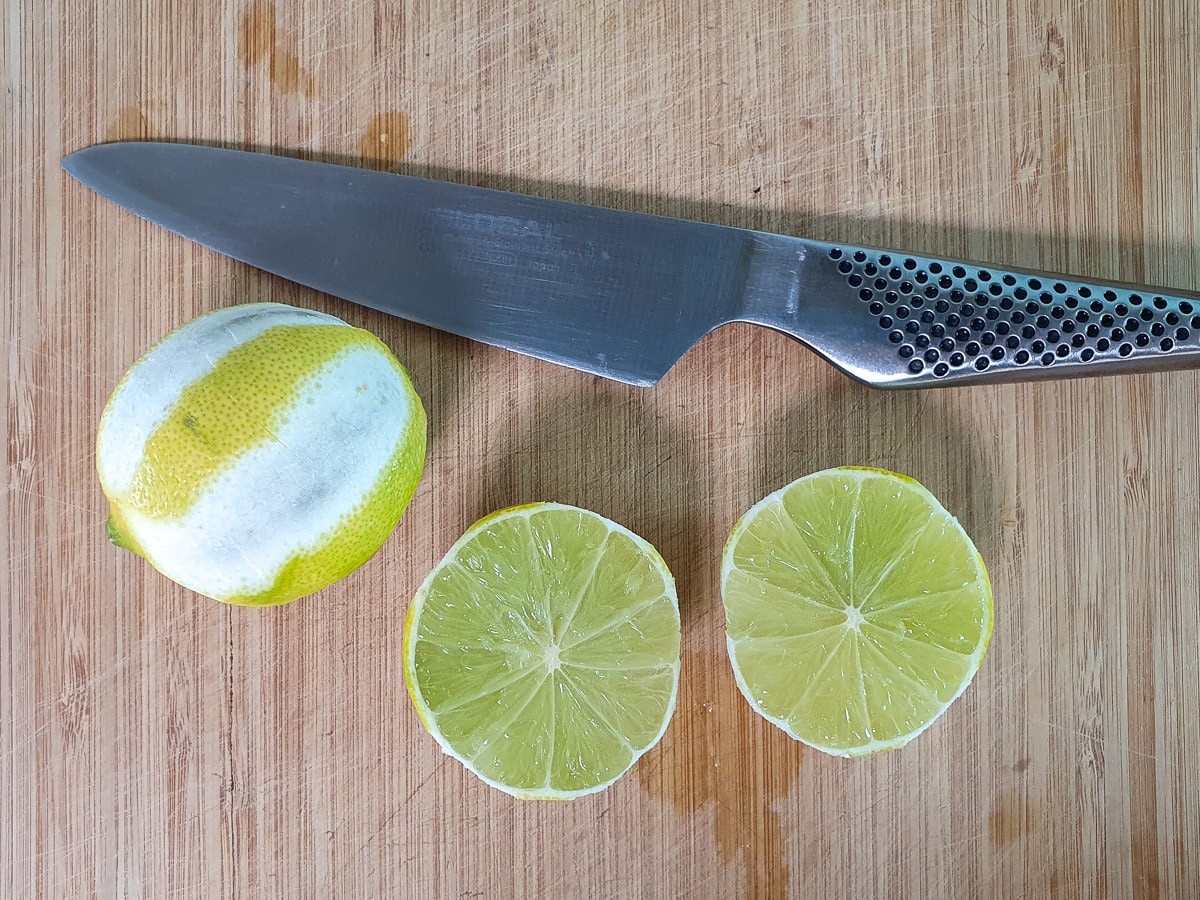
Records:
x=259, y=42
x=289, y=77
x=718, y=731
x=387, y=139
x=1010, y=820
x=256, y=40
x=129, y=125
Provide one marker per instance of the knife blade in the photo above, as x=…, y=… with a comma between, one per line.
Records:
x=624, y=295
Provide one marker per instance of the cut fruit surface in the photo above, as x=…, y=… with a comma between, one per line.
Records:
x=857, y=609
x=543, y=650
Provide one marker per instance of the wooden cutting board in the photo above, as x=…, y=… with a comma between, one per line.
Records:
x=154, y=744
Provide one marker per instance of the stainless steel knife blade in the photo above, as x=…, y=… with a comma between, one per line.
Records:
x=624, y=295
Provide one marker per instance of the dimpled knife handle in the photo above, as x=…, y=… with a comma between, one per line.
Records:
x=905, y=321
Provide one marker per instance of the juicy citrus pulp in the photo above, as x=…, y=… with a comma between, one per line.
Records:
x=856, y=609
x=543, y=650
x=260, y=452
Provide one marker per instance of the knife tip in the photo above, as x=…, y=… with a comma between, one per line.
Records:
x=76, y=159
x=74, y=162
x=69, y=162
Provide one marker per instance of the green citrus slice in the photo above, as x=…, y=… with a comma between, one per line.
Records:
x=857, y=609
x=543, y=650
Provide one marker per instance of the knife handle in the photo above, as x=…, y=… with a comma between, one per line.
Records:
x=906, y=321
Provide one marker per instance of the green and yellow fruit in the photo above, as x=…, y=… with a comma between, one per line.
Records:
x=261, y=452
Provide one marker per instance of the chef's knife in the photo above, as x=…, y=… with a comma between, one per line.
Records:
x=624, y=295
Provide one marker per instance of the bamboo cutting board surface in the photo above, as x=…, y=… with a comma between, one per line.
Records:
x=154, y=744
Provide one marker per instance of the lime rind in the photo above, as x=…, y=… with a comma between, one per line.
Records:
x=222, y=452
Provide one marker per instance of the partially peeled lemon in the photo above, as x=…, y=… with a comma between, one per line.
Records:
x=261, y=452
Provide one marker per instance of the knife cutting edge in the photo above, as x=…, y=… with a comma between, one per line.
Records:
x=624, y=295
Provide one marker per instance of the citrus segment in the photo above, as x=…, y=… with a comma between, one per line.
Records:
x=857, y=609
x=543, y=650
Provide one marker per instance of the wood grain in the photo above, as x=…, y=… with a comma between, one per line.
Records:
x=154, y=745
